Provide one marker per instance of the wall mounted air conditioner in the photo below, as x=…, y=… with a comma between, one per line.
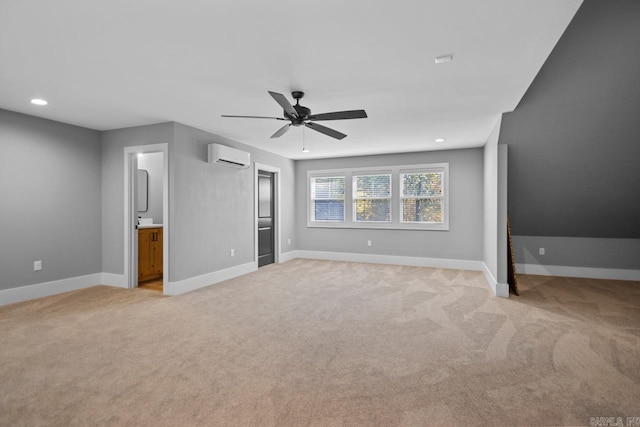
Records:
x=224, y=155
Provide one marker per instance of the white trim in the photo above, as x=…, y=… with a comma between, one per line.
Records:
x=193, y=283
x=288, y=256
x=166, y=218
x=499, y=289
x=39, y=290
x=393, y=259
x=584, y=272
x=118, y=280
x=276, y=176
x=130, y=272
x=130, y=243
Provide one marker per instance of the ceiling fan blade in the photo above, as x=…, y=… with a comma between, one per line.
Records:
x=281, y=131
x=340, y=115
x=327, y=131
x=284, y=103
x=252, y=117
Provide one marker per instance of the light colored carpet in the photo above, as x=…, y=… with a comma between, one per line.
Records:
x=326, y=343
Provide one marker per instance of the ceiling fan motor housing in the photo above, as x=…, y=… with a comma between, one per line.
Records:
x=303, y=112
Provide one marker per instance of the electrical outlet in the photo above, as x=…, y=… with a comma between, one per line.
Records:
x=541, y=251
x=368, y=242
x=289, y=241
x=37, y=265
x=233, y=252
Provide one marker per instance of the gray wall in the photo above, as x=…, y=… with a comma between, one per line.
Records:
x=212, y=206
x=153, y=164
x=463, y=241
x=113, y=143
x=50, y=207
x=62, y=192
x=573, y=145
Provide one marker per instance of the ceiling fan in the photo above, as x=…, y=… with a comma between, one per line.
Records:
x=301, y=116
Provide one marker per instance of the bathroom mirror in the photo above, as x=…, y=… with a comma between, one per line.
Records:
x=143, y=185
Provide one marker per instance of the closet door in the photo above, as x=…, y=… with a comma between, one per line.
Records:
x=266, y=238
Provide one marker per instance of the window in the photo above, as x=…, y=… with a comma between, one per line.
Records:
x=421, y=196
x=327, y=195
x=372, y=198
x=405, y=197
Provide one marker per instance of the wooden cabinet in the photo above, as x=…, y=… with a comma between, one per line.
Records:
x=149, y=254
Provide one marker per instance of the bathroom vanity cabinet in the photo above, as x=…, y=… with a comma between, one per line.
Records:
x=149, y=254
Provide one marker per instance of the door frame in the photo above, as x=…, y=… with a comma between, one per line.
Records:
x=276, y=207
x=130, y=200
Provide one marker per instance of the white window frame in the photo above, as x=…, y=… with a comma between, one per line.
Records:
x=354, y=199
x=395, y=223
x=442, y=198
x=310, y=200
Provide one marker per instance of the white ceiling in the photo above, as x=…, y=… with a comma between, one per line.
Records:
x=120, y=63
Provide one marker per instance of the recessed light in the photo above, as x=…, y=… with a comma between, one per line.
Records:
x=305, y=150
x=38, y=101
x=444, y=58
x=439, y=139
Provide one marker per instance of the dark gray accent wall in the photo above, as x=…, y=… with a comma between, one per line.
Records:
x=463, y=241
x=578, y=251
x=50, y=208
x=574, y=140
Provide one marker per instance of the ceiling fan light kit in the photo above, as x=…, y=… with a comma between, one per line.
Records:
x=299, y=115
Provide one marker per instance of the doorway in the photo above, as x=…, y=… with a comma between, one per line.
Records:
x=150, y=221
x=266, y=212
x=155, y=215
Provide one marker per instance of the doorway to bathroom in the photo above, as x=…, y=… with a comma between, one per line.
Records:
x=146, y=217
x=150, y=221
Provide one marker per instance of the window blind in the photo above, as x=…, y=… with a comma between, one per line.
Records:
x=327, y=194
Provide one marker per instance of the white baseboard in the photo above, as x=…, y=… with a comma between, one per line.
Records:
x=39, y=290
x=287, y=256
x=118, y=280
x=585, y=272
x=193, y=283
x=499, y=289
x=458, y=264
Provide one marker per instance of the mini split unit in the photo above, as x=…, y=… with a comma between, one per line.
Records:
x=227, y=156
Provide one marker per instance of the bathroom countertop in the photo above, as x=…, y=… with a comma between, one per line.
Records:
x=149, y=226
